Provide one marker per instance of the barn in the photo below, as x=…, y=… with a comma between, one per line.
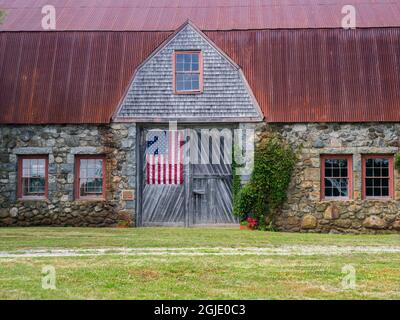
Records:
x=96, y=109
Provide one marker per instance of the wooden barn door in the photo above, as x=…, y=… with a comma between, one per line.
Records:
x=163, y=188
x=211, y=184
x=201, y=195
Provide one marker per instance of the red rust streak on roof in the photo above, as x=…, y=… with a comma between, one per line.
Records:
x=328, y=75
x=208, y=15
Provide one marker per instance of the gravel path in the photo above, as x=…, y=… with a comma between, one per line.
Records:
x=291, y=250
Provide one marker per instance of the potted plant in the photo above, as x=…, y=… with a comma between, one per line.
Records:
x=244, y=225
x=249, y=224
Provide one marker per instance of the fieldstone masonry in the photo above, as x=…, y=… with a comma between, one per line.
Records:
x=304, y=210
x=62, y=143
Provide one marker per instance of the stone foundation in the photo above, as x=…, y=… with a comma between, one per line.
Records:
x=304, y=210
x=61, y=143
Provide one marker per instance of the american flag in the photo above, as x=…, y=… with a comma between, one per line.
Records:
x=164, y=157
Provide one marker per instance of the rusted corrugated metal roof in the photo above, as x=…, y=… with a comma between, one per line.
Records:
x=68, y=77
x=328, y=75
x=168, y=15
x=320, y=75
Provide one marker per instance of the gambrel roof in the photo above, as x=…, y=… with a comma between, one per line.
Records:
x=297, y=74
x=226, y=96
x=208, y=15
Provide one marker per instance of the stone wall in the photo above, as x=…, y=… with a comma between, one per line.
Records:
x=61, y=143
x=304, y=210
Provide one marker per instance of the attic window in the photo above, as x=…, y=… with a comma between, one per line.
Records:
x=188, y=72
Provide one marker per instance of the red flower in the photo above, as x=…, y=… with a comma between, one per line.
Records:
x=252, y=222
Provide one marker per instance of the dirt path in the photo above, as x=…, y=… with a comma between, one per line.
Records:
x=291, y=250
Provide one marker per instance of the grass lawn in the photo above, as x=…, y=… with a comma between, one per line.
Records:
x=34, y=238
x=194, y=277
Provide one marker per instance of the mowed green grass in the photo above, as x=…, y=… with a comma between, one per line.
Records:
x=202, y=277
x=41, y=237
x=194, y=277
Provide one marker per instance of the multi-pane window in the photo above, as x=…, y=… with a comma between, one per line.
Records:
x=32, y=177
x=336, y=176
x=377, y=173
x=90, y=182
x=188, y=72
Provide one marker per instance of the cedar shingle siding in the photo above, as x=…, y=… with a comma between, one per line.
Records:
x=226, y=96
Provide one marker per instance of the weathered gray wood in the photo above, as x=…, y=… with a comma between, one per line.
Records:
x=187, y=187
x=161, y=204
x=205, y=198
x=227, y=96
x=214, y=205
x=212, y=187
x=139, y=176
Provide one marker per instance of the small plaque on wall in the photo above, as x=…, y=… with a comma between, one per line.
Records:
x=128, y=195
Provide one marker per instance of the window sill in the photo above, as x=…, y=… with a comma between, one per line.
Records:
x=352, y=199
x=32, y=199
x=188, y=92
x=90, y=199
x=378, y=199
x=337, y=199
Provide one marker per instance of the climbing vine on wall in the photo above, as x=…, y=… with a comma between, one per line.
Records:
x=274, y=162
